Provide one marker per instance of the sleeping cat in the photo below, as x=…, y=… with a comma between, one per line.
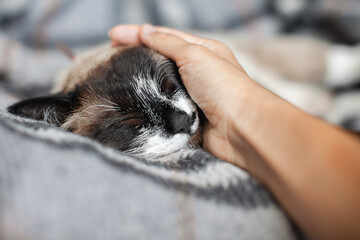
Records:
x=128, y=98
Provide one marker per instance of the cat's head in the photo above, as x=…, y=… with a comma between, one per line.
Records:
x=132, y=100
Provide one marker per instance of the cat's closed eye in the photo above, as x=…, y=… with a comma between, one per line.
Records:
x=170, y=86
x=134, y=120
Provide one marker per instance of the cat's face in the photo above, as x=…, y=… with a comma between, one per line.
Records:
x=133, y=101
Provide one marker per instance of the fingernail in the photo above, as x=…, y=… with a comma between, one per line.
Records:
x=147, y=29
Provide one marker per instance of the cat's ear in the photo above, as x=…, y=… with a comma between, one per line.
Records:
x=53, y=109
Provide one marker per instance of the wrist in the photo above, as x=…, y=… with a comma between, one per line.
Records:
x=251, y=117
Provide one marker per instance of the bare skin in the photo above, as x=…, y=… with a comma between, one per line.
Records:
x=310, y=166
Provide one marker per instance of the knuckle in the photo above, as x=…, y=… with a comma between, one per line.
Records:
x=218, y=46
x=193, y=49
x=162, y=36
x=186, y=68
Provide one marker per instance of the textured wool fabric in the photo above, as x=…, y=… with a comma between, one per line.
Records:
x=57, y=185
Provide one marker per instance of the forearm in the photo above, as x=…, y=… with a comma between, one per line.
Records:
x=312, y=168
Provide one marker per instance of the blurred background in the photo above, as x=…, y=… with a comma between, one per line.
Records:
x=306, y=51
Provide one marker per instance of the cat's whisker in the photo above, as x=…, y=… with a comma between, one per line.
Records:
x=106, y=100
x=109, y=110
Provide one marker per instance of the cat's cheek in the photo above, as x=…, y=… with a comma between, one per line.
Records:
x=196, y=140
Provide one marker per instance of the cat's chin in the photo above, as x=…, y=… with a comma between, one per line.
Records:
x=158, y=146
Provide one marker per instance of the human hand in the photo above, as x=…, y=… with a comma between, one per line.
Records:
x=210, y=73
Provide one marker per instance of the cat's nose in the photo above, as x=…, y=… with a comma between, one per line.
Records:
x=180, y=122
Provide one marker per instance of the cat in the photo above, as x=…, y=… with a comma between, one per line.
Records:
x=128, y=98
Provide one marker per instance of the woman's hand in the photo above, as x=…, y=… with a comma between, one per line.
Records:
x=210, y=73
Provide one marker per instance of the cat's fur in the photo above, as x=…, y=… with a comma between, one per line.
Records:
x=128, y=98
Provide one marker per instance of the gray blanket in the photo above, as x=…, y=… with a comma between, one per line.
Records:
x=57, y=185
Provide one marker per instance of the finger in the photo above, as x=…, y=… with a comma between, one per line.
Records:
x=172, y=46
x=125, y=34
x=218, y=48
x=129, y=34
x=186, y=36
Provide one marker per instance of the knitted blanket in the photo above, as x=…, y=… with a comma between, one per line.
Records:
x=57, y=185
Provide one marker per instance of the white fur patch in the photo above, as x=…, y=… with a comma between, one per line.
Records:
x=196, y=123
x=158, y=145
x=184, y=103
x=154, y=143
